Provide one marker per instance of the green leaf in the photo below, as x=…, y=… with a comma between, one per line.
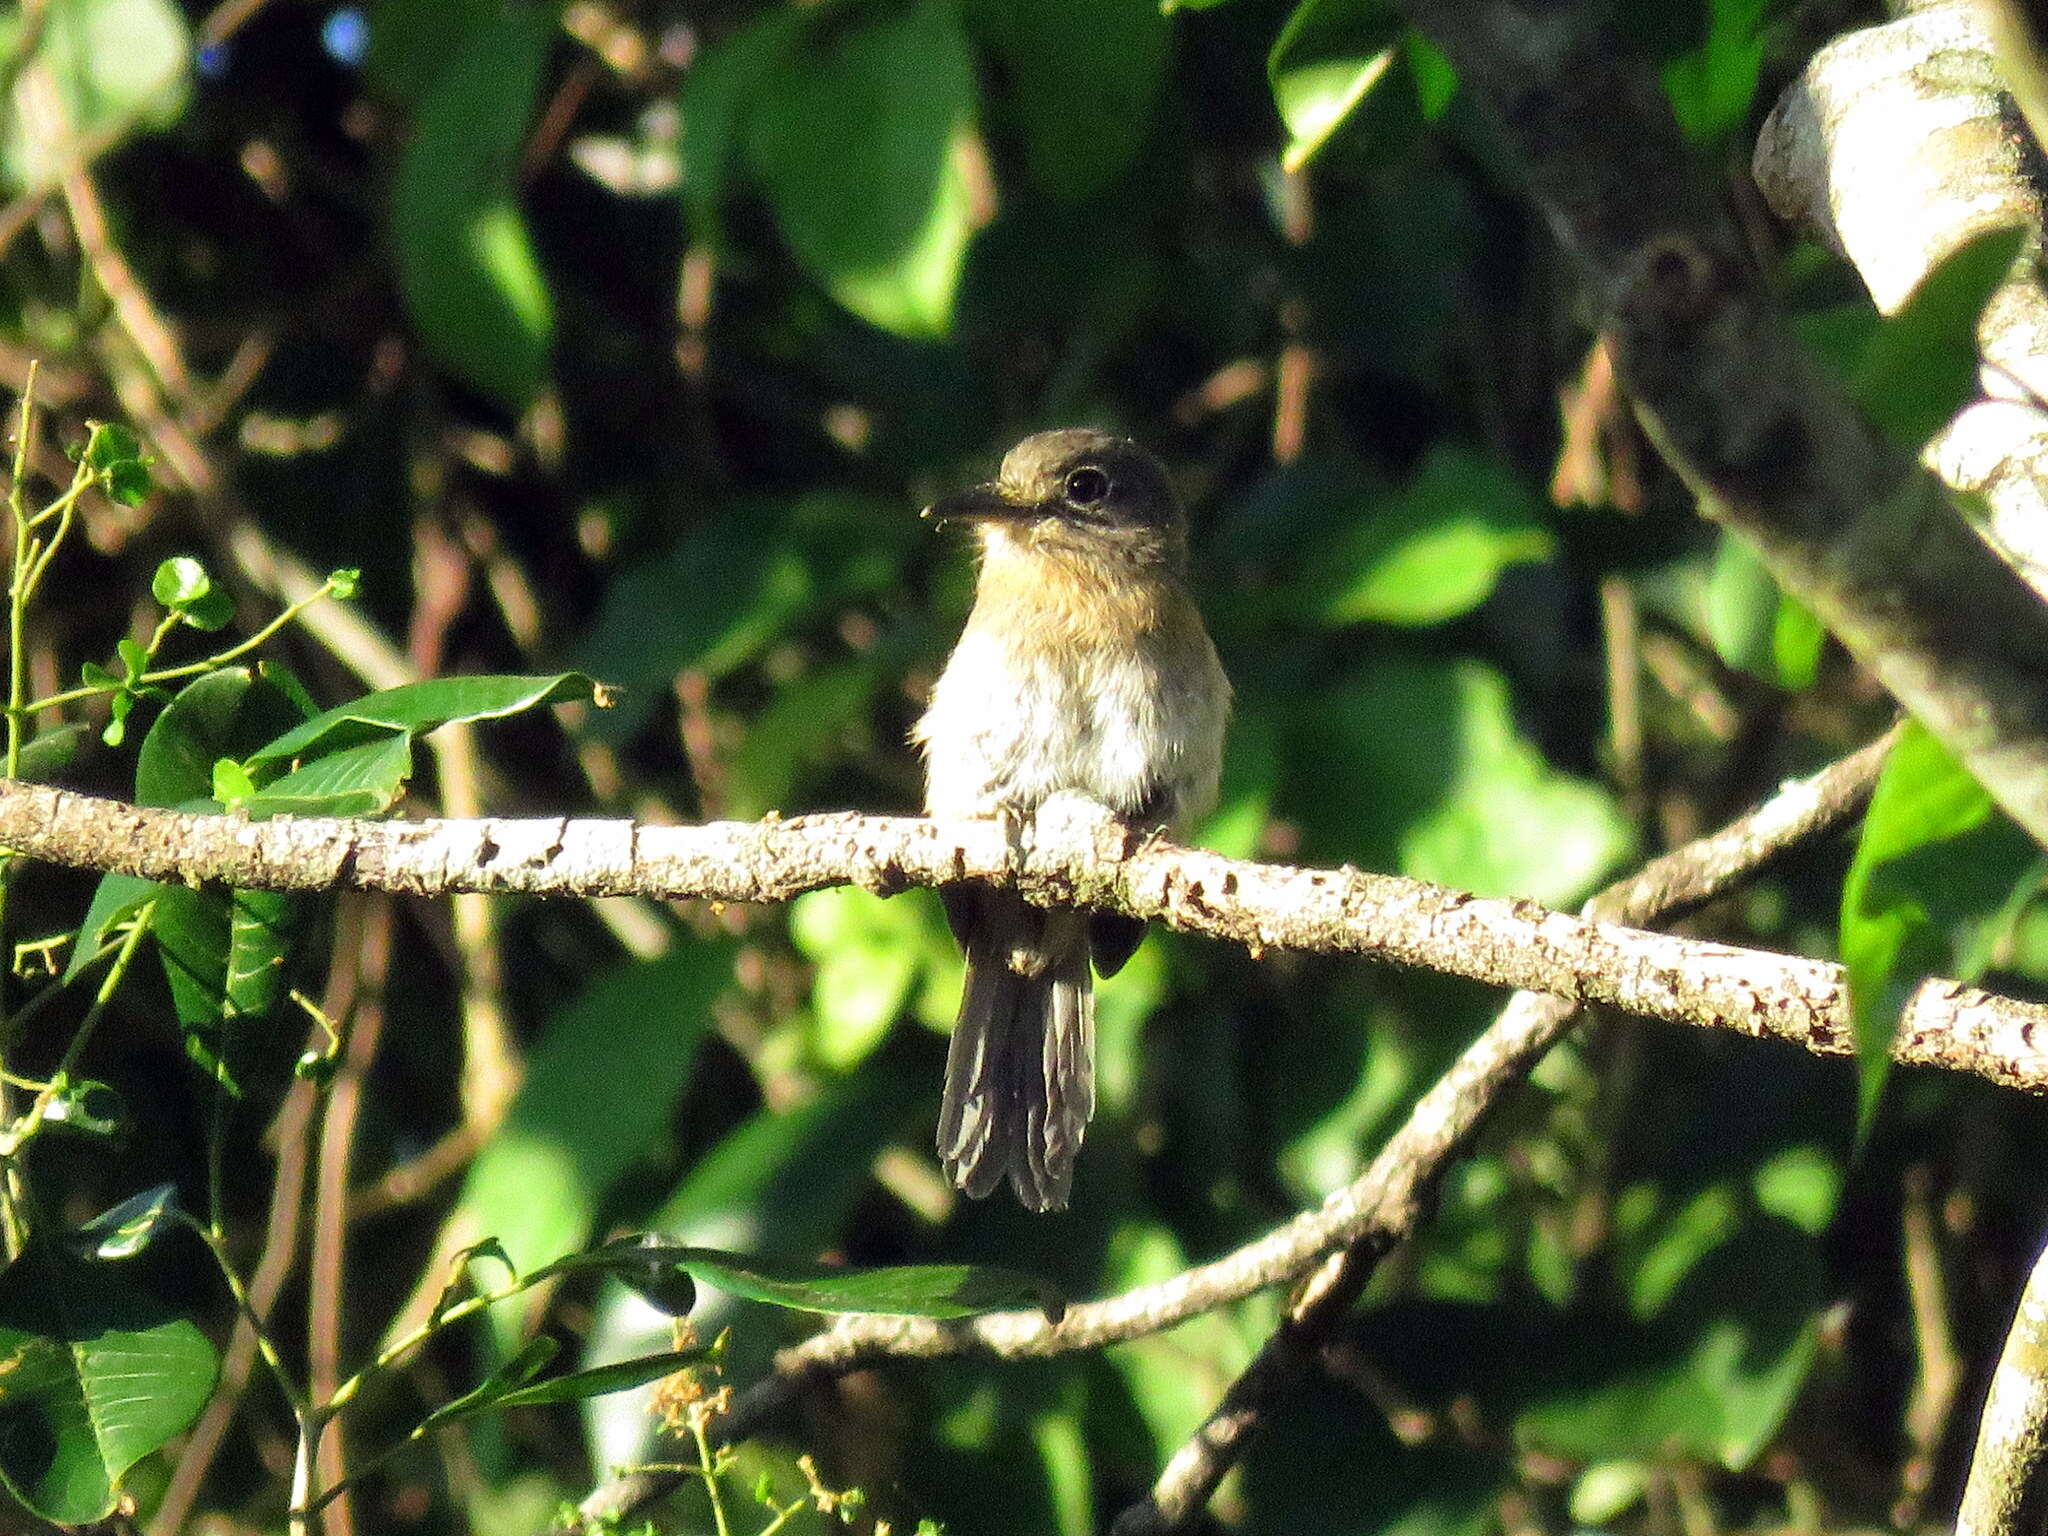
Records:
x=1327, y=57
x=466, y=263
x=363, y=780
x=1921, y=366
x=856, y=143
x=1934, y=855
x=117, y=66
x=97, y=1377
x=1712, y=87
x=600, y=1092
x=1437, y=549
x=182, y=585
x=263, y=927
x=232, y=784
x=1440, y=784
x=1084, y=77
x=718, y=92
x=519, y=1368
x=417, y=708
x=196, y=729
x=598, y=1380
x=903, y=1290
x=112, y=452
x=124, y=1230
x=114, y=899
x=1755, y=626
x=1712, y=1375
x=869, y=954
x=87, y=1107
x=49, y=753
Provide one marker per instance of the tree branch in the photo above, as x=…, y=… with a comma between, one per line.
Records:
x=1768, y=442
x=1664, y=889
x=1384, y=1206
x=2007, y=1494
x=1073, y=853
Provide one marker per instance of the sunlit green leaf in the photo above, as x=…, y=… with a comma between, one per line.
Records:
x=466, y=264
x=857, y=143
x=417, y=708
x=1934, y=853
x=116, y=66
x=1921, y=365
x=1437, y=548
x=1327, y=57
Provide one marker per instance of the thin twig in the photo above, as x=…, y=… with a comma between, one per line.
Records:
x=1366, y=1219
x=1527, y=1027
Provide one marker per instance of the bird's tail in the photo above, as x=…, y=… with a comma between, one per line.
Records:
x=1020, y=1077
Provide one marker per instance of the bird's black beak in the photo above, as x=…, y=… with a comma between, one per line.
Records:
x=977, y=504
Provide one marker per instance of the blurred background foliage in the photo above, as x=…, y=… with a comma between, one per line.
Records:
x=629, y=337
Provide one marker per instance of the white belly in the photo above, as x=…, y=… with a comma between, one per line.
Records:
x=1004, y=735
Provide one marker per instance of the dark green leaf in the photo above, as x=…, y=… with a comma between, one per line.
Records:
x=905, y=1290
x=1437, y=549
x=601, y=1379
x=1085, y=75
x=134, y=659
x=1327, y=57
x=856, y=142
x=50, y=752
x=262, y=928
x=97, y=1375
x=1922, y=363
x=115, y=898
x=124, y=1230
x=718, y=92
x=417, y=708
x=195, y=730
x=466, y=264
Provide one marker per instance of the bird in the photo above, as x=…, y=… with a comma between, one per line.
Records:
x=1083, y=668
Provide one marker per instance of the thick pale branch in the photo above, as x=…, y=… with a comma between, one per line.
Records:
x=1381, y=1208
x=1768, y=442
x=2007, y=1494
x=1072, y=853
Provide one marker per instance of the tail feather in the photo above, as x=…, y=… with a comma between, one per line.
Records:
x=1020, y=1076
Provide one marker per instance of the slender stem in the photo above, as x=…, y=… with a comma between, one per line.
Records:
x=18, y=1135
x=710, y=1471
x=11, y=1233
x=217, y=1246
x=191, y=669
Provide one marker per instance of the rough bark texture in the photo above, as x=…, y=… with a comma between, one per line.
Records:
x=1767, y=441
x=2006, y=1494
x=1897, y=145
x=1073, y=853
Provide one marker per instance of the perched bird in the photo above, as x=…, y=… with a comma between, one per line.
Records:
x=1084, y=668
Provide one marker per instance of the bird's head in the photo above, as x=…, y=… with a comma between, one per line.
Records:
x=1077, y=493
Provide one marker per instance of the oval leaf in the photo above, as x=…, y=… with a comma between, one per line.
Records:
x=466, y=263
x=417, y=708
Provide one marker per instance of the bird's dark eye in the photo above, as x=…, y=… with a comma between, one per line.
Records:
x=1086, y=487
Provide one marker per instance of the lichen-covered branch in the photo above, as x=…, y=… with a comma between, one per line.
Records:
x=1897, y=144
x=1381, y=1208
x=1072, y=853
x=1764, y=437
